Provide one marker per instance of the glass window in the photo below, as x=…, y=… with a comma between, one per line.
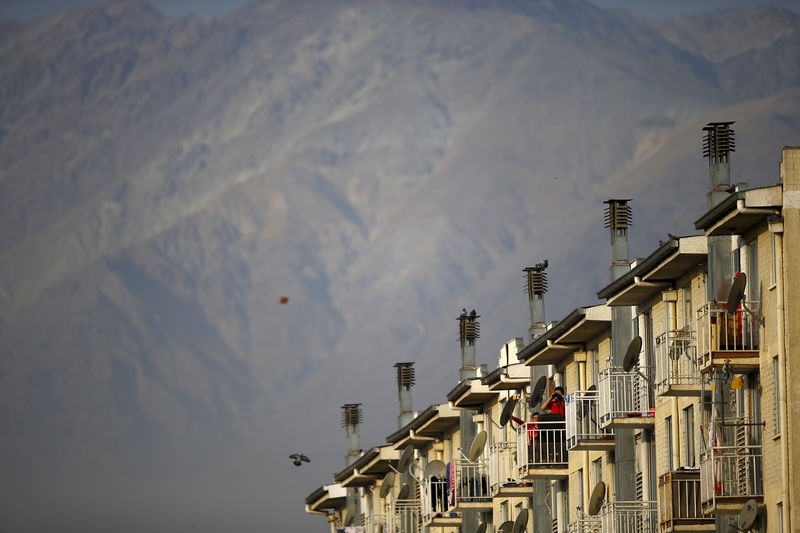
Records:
x=774, y=270
x=752, y=271
x=597, y=468
x=688, y=422
x=776, y=377
x=670, y=452
x=688, y=313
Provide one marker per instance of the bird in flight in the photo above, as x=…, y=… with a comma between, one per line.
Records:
x=299, y=458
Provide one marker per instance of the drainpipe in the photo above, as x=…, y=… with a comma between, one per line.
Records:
x=776, y=228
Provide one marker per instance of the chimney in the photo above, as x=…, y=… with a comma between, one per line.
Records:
x=469, y=330
x=536, y=286
x=351, y=418
x=618, y=218
x=719, y=142
x=717, y=146
x=405, y=380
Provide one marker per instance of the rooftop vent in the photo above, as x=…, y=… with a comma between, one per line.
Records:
x=351, y=414
x=618, y=214
x=468, y=326
x=719, y=141
x=536, y=279
x=405, y=375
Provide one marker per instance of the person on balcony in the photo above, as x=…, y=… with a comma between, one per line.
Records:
x=533, y=431
x=555, y=403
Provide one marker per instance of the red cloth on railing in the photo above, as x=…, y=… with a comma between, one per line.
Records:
x=532, y=428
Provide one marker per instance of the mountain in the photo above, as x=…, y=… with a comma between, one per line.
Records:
x=164, y=182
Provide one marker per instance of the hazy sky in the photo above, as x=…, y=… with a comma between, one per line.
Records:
x=24, y=9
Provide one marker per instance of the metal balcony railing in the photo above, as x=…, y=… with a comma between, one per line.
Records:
x=722, y=331
x=624, y=395
x=374, y=523
x=541, y=445
x=503, y=470
x=583, y=421
x=471, y=482
x=677, y=368
x=435, y=499
x=404, y=516
x=679, y=506
x=730, y=475
x=629, y=517
x=587, y=524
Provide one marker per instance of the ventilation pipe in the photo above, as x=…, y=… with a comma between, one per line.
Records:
x=536, y=287
x=405, y=380
x=618, y=219
x=469, y=330
x=718, y=144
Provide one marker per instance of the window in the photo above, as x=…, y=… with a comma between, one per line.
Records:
x=776, y=377
x=597, y=470
x=752, y=271
x=594, y=367
x=580, y=490
x=687, y=306
x=670, y=452
x=774, y=270
x=504, y=511
x=688, y=423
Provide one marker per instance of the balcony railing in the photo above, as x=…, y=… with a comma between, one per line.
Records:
x=677, y=368
x=503, y=470
x=471, y=484
x=583, y=422
x=374, y=523
x=404, y=516
x=679, y=506
x=436, y=499
x=728, y=332
x=541, y=445
x=730, y=475
x=625, y=398
x=629, y=517
x=587, y=524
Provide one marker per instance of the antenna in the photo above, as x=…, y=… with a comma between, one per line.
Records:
x=537, y=392
x=748, y=515
x=596, y=500
x=632, y=354
x=505, y=415
x=736, y=298
x=387, y=484
x=520, y=522
x=476, y=448
x=405, y=459
x=435, y=468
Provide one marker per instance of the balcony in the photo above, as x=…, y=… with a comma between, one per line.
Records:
x=677, y=368
x=542, y=450
x=629, y=517
x=404, y=516
x=625, y=399
x=470, y=486
x=374, y=523
x=587, y=524
x=504, y=477
x=728, y=338
x=436, y=504
x=679, y=506
x=583, y=423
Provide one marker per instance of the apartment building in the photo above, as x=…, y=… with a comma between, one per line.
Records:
x=676, y=411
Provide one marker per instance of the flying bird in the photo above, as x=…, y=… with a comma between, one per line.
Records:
x=284, y=300
x=299, y=458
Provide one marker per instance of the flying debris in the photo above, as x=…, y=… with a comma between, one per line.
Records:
x=299, y=458
x=284, y=300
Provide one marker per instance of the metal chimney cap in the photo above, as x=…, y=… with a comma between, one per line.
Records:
x=351, y=414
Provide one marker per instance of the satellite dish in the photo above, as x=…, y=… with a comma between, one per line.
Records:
x=476, y=448
x=405, y=459
x=403, y=494
x=520, y=522
x=596, y=500
x=481, y=527
x=506, y=527
x=435, y=468
x=592, y=388
x=737, y=383
x=536, y=393
x=386, y=486
x=632, y=354
x=736, y=294
x=505, y=416
x=748, y=515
